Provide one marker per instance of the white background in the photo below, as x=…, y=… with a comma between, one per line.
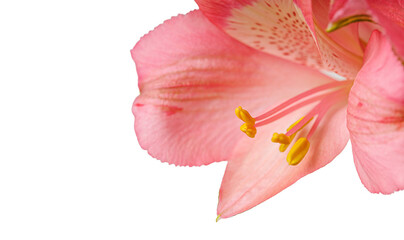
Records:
x=70, y=164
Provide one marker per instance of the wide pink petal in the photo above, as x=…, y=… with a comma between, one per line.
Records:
x=340, y=51
x=191, y=78
x=282, y=29
x=390, y=15
x=190, y=74
x=376, y=118
x=257, y=171
x=274, y=27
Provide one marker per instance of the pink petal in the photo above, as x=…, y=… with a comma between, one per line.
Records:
x=346, y=8
x=258, y=171
x=189, y=74
x=341, y=50
x=376, y=118
x=191, y=77
x=390, y=15
x=279, y=28
x=305, y=7
x=274, y=27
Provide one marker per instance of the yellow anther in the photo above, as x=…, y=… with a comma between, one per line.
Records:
x=249, y=130
x=285, y=140
x=280, y=138
x=245, y=116
x=248, y=127
x=298, y=151
x=283, y=147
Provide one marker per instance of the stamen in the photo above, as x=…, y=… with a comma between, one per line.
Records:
x=249, y=130
x=301, y=96
x=245, y=116
x=248, y=127
x=315, y=125
x=298, y=151
x=290, y=110
x=324, y=105
x=284, y=145
x=336, y=91
x=280, y=138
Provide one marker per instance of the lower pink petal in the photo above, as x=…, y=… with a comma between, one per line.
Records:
x=257, y=170
x=376, y=118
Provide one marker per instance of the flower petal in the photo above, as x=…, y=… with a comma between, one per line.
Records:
x=274, y=27
x=281, y=28
x=340, y=51
x=346, y=8
x=390, y=15
x=191, y=77
x=258, y=171
x=376, y=118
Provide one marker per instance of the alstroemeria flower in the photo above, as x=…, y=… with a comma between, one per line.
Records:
x=195, y=69
x=388, y=14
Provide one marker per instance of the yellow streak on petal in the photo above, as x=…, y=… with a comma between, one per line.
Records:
x=346, y=21
x=218, y=218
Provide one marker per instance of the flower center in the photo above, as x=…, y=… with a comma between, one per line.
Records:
x=326, y=96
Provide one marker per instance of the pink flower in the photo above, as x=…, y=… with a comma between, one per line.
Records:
x=194, y=70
